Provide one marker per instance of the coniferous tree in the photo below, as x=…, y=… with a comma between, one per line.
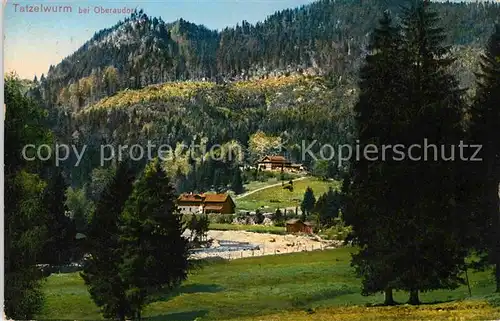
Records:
x=414, y=242
x=237, y=183
x=308, y=203
x=431, y=221
x=278, y=218
x=327, y=207
x=368, y=199
x=155, y=254
x=25, y=229
x=57, y=250
x=485, y=175
x=101, y=272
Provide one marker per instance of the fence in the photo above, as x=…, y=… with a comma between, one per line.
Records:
x=239, y=254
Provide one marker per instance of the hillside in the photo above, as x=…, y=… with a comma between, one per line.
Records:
x=294, y=108
x=292, y=76
x=276, y=197
x=325, y=37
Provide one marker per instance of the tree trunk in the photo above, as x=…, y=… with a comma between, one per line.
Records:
x=496, y=235
x=388, y=299
x=414, y=300
x=497, y=273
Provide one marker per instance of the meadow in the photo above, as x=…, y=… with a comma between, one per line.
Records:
x=276, y=197
x=316, y=285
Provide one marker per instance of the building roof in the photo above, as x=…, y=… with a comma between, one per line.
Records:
x=215, y=198
x=188, y=197
x=293, y=221
x=275, y=159
x=205, y=198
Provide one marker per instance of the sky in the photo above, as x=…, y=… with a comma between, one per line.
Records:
x=35, y=40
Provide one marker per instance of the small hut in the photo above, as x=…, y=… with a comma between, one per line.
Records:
x=298, y=226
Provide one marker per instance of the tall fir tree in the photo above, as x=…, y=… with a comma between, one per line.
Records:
x=414, y=242
x=485, y=175
x=368, y=199
x=308, y=203
x=101, y=271
x=237, y=182
x=431, y=221
x=58, y=248
x=327, y=207
x=25, y=229
x=155, y=253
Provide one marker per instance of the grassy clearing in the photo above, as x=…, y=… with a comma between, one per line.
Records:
x=464, y=310
x=253, y=185
x=281, y=287
x=248, y=228
x=277, y=197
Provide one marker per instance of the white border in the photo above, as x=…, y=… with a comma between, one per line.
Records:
x=2, y=165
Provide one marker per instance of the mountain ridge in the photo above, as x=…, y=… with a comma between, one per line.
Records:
x=324, y=37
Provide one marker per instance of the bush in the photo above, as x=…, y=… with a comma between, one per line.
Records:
x=223, y=218
x=338, y=232
x=259, y=217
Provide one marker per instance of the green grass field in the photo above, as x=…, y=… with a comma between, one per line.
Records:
x=277, y=197
x=248, y=228
x=281, y=287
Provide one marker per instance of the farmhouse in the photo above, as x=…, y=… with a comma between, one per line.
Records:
x=205, y=204
x=297, y=226
x=273, y=163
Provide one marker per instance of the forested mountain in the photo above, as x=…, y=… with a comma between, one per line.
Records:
x=293, y=75
x=326, y=36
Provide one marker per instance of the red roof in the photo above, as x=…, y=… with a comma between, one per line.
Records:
x=191, y=198
x=203, y=198
x=215, y=198
x=275, y=159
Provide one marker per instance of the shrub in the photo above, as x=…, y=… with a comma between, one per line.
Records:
x=224, y=218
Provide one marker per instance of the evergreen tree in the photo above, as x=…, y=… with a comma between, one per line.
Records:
x=237, y=183
x=155, y=254
x=367, y=191
x=485, y=175
x=327, y=207
x=259, y=217
x=410, y=234
x=278, y=218
x=308, y=203
x=432, y=223
x=25, y=229
x=101, y=271
x=57, y=250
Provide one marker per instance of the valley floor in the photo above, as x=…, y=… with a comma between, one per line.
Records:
x=265, y=243
x=318, y=285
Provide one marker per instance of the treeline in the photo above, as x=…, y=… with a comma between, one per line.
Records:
x=133, y=246
x=418, y=219
x=325, y=37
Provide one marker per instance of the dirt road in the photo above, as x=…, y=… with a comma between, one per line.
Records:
x=266, y=187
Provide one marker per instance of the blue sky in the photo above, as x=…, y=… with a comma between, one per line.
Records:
x=34, y=40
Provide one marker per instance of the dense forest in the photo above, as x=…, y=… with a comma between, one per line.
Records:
x=324, y=37
x=293, y=76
